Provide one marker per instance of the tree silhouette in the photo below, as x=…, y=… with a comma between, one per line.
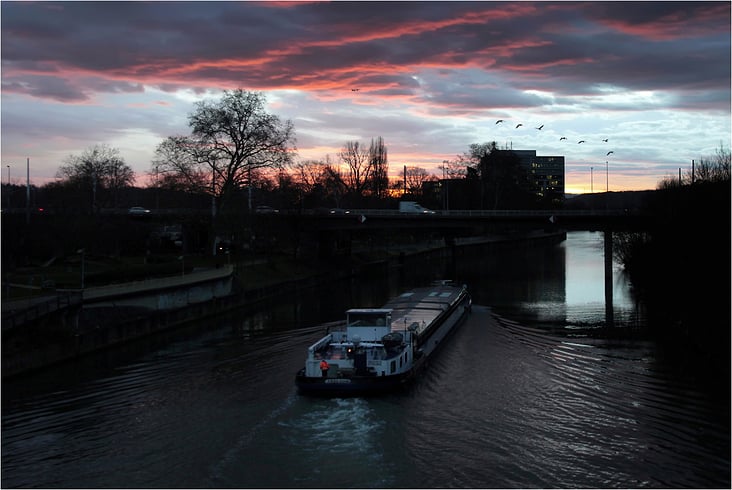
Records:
x=231, y=138
x=379, y=166
x=358, y=164
x=178, y=166
x=503, y=181
x=100, y=171
x=414, y=178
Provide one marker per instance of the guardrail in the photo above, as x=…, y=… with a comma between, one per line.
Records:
x=340, y=213
x=494, y=212
x=31, y=310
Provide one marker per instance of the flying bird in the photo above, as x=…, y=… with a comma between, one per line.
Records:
x=355, y=89
x=580, y=141
x=608, y=153
x=539, y=128
x=605, y=140
x=519, y=125
x=499, y=121
x=562, y=138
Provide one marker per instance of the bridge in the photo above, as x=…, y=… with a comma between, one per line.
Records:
x=599, y=218
x=603, y=219
x=355, y=219
x=326, y=232
x=331, y=233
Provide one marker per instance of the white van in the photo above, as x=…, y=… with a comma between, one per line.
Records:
x=413, y=207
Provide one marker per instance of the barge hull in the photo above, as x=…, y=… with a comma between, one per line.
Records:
x=366, y=385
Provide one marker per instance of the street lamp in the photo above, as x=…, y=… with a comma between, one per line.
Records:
x=591, y=181
x=607, y=178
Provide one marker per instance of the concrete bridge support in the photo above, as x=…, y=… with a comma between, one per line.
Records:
x=608, y=250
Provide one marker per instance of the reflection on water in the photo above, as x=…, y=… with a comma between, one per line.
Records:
x=561, y=286
x=512, y=400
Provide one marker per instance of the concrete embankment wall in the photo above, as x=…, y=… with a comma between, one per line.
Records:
x=109, y=315
x=101, y=324
x=104, y=322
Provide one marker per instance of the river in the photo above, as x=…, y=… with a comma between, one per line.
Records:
x=530, y=400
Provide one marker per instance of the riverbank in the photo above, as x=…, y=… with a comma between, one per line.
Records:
x=74, y=331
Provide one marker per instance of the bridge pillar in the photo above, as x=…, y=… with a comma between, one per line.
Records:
x=608, y=248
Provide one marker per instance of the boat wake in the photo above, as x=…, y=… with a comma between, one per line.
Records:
x=217, y=474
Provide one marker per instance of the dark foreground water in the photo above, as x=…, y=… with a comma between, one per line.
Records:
x=520, y=397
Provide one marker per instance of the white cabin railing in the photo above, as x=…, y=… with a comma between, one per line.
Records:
x=319, y=344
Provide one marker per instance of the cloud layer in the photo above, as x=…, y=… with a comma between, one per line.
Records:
x=432, y=77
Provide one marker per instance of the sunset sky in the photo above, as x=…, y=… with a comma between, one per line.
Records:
x=653, y=78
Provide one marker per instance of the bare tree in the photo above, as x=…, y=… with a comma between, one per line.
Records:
x=467, y=162
x=414, y=178
x=379, y=166
x=723, y=158
x=358, y=162
x=178, y=166
x=714, y=168
x=456, y=168
x=304, y=179
x=101, y=170
x=333, y=182
x=308, y=174
x=319, y=179
x=231, y=138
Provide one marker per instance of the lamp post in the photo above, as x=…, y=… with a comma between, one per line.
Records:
x=8, y=174
x=591, y=181
x=607, y=178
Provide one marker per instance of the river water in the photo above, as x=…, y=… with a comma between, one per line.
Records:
x=530, y=400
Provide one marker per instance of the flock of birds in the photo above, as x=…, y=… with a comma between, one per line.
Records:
x=605, y=140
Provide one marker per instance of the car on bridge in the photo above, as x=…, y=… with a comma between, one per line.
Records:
x=413, y=208
x=266, y=210
x=138, y=211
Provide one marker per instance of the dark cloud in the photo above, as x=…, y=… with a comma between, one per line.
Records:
x=561, y=47
x=47, y=87
x=659, y=20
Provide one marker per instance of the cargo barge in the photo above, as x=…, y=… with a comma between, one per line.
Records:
x=378, y=350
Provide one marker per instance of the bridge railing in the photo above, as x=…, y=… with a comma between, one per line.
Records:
x=495, y=212
x=387, y=212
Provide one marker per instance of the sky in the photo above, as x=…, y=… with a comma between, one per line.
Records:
x=430, y=78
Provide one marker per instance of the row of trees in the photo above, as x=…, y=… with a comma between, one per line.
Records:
x=709, y=169
x=99, y=171
x=236, y=146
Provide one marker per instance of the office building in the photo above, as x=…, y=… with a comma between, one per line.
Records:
x=545, y=173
